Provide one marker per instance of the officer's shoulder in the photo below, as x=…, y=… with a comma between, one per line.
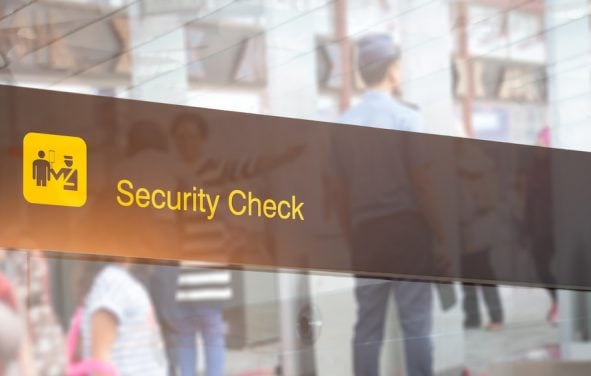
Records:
x=408, y=105
x=406, y=110
x=409, y=114
x=353, y=115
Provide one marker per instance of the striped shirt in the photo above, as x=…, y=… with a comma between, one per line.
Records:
x=138, y=348
x=204, y=239
x=215, y=240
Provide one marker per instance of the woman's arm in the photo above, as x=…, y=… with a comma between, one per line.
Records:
x=25, y=358
x=103, y=333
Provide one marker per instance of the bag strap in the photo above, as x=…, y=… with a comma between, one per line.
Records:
x=73, y=335
x=84, y=367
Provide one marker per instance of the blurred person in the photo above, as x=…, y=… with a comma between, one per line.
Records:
x=539, y=216
x=149, y=163
x=479, y=219
x=190, y=298
x=388, y=211
x=118, y=328
x=201, y=291
x=30, y=273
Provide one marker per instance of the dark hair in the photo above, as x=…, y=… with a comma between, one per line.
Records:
x=145, y=135
x=192, y=118
x=375, y=72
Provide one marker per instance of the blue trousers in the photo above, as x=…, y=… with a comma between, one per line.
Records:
x=414, y=304
x=192, y=319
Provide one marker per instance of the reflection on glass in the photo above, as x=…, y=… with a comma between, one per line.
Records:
x=387, y=209
x=480, y=211
x=504, y=71
x=106, y=308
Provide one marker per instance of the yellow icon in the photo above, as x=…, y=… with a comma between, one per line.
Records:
x=54, y=169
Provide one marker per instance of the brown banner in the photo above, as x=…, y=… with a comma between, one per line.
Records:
x=149, y=180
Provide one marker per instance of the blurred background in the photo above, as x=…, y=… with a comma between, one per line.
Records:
x=492, y=69
x=504, y=70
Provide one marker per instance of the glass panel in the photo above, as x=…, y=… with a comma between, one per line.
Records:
x=508, y=71
x=254, y=322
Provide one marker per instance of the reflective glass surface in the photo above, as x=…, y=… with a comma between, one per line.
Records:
x=509, y=301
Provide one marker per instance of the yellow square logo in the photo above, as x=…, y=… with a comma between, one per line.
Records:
x=54, y=169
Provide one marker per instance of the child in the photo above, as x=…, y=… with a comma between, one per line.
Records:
x=118, y=326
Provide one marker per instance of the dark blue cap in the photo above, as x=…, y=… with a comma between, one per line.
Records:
x=375, y=48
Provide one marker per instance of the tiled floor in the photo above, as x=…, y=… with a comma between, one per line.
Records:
x=526, y=336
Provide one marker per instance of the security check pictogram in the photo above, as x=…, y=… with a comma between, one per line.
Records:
x=54, y=169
